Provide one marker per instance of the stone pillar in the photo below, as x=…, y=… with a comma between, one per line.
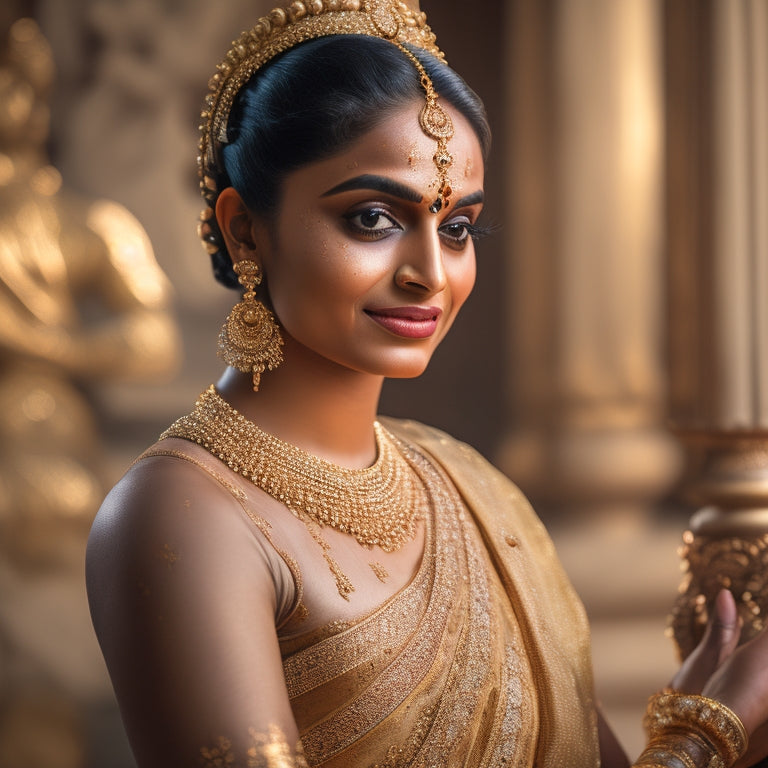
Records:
x=585, y=220
x=717, y=182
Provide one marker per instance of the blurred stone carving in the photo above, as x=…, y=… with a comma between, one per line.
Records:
x=135, y=72
x=81, y=300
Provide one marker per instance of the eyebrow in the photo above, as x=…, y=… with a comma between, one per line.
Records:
x=380, y=184
x=473, y=199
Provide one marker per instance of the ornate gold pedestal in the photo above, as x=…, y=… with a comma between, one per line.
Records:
x=727, y=544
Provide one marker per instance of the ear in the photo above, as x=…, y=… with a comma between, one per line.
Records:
x=238, y=226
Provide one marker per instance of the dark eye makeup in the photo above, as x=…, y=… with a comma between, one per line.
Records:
x=461, y=230
x=376, y=222
x=371, y=223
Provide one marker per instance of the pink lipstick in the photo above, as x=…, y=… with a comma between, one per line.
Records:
x=407, y=322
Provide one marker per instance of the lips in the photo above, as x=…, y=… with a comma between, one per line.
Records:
x=407, y=322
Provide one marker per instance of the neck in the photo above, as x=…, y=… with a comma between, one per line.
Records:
x=313, y=403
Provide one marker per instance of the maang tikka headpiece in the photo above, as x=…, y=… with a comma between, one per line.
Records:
x=284, y=28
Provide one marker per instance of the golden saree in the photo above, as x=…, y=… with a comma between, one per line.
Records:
x=550, y=616
x=482, y=660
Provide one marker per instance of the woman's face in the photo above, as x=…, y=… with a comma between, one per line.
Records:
x=358, y=270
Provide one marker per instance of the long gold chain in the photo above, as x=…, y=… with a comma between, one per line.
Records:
x=379, y=505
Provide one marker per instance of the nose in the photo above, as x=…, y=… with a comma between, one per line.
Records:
x=422, y=269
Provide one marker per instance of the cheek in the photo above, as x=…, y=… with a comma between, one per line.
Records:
x=463, y=281
x=321, y=283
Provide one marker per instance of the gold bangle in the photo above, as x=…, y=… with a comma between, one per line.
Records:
x=690, y=731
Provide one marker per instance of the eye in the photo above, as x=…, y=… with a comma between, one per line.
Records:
x=372, y=223
x=457, y=232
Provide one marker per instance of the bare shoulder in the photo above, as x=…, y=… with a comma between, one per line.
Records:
x=167, y=491
x=170, y=514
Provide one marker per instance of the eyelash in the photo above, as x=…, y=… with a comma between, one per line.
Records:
x=367, y=232
x=470, y=231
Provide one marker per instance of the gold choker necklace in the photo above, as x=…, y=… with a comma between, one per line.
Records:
x=379, y=505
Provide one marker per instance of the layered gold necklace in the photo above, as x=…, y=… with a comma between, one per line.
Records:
x=379, y=505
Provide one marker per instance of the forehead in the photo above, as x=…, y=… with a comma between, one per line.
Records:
x=397, y=147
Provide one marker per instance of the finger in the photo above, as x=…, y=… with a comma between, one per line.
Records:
x=722, y=632
x=741, y=682
x=726, y=627
x=721, y=636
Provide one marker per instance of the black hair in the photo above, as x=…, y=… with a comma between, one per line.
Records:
x=312, y=101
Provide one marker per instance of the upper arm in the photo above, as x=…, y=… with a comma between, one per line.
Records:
x=184, y=607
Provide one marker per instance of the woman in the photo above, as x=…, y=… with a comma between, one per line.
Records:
x=282, y=580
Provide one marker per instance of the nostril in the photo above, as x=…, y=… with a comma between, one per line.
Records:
x=410, y=279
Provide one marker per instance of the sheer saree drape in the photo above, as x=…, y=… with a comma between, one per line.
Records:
x=550, y=616
x=437, y=676
x=482, y=660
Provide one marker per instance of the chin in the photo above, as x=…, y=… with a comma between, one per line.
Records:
x=403, y=362
x=406, y=363
x=412, y=373
x=405, y=370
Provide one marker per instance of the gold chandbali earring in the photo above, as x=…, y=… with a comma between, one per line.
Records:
x=250, y=338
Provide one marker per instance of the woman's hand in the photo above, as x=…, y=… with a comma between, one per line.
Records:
x=741, y=683
x=718, y=643
x=736, y=676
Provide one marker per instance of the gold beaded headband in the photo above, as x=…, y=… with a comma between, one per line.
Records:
x=284, y=28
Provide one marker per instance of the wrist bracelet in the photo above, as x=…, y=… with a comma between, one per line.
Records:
x=689, y=731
